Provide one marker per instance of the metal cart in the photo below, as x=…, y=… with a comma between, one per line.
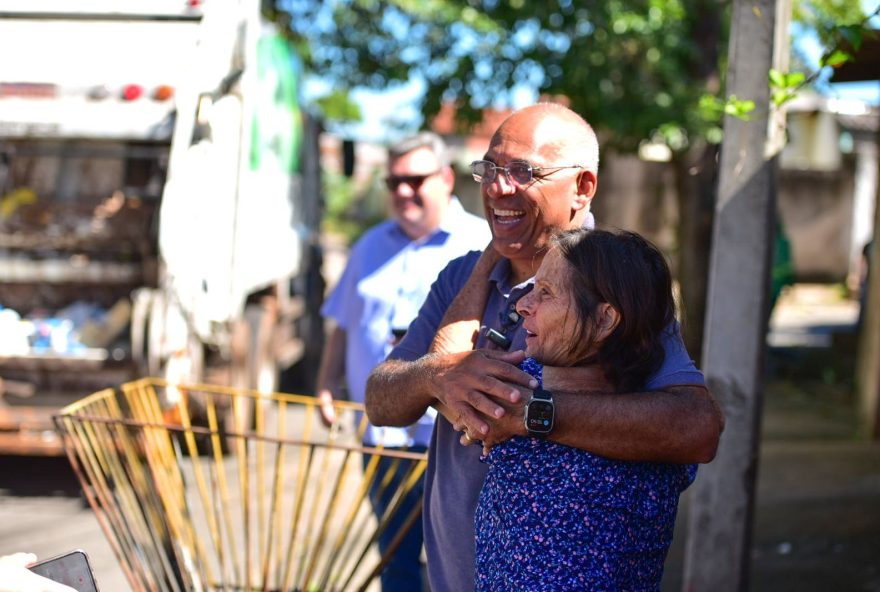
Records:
x=278, y=503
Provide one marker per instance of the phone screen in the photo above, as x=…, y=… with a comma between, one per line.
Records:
x=71, y=569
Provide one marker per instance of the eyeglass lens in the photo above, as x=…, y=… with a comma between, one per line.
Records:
x=485, y=171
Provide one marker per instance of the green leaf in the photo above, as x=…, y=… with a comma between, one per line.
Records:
x=711, y=108
x=780, y=97
x=794, y=79
x=777, y=78
x=786, y=80
x=835, y=58
x=739, y=108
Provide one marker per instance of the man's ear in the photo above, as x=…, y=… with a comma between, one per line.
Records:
x=606, y=320
x=586, y=189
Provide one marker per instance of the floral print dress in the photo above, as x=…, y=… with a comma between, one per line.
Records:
x=555, y=518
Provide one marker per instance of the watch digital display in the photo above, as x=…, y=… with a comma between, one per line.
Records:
x=539, y=417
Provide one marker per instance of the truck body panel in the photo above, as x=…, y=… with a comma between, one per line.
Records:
x=152, y=216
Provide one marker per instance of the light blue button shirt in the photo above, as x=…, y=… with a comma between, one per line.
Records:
x=386, y=280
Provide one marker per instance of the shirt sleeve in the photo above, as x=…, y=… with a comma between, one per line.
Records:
x=678, y=368
x=421, y=331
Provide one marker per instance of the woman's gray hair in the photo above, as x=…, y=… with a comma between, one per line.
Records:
x=428, y=140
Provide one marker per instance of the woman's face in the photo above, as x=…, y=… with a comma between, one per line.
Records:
x=549, y=316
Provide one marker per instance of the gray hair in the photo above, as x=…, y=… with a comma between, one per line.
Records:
x=428, y=140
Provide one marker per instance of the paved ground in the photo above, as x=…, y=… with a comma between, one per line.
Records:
x=41, y=511
x=817, y=522
x=817, y=519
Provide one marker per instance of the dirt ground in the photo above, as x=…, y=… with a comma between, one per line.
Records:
x=817, y=516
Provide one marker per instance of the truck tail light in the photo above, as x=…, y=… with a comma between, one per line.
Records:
x=163, y=93
x=132, y=92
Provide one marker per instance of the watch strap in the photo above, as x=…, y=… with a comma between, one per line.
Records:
x=540, y=393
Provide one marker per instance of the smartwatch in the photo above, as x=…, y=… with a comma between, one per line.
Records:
x=540, y=413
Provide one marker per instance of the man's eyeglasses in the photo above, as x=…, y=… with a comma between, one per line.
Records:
x=518, y=172
x=414, y=181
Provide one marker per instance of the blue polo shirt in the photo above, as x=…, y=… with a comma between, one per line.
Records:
x=455, y=474
x=385, y=282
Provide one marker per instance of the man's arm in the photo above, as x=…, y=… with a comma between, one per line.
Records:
x=462, y=384
x=329, y=384
x=470, y=384
x=680, y=424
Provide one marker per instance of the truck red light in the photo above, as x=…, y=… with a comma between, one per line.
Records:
x=132, y=92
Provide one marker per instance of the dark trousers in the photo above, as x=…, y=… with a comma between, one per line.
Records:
x=403, y=573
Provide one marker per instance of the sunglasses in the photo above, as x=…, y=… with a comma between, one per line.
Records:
x=413, y=181
x=518, y=172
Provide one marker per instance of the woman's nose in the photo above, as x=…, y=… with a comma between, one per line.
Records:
x=523, y=305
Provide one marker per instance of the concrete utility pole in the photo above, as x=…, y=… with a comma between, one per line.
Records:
x=722, y=503
x=868, y=362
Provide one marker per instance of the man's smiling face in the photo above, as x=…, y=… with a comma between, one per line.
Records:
x=523, y=217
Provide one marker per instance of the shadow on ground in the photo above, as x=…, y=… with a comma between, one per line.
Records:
x=817, y=515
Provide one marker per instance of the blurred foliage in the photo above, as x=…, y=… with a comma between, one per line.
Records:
x=829, y=18
x=337, y=105
x=637, y=68
x=841, y=29
x=350, y=211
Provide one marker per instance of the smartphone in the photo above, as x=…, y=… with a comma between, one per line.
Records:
x=496, y=337
x=71, y=569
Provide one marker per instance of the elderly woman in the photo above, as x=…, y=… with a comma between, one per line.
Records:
x=553, y=517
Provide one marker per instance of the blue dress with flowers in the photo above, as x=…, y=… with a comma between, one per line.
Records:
x=556, y=518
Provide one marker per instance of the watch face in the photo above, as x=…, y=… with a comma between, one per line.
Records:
x=539, y=416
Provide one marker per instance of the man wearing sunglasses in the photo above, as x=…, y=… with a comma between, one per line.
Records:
x=538, y=176
x=388, y=275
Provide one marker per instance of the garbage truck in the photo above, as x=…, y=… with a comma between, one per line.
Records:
x=159, y=203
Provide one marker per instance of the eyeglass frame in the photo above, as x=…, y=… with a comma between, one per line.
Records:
x=414, y=181
x=531, y=170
